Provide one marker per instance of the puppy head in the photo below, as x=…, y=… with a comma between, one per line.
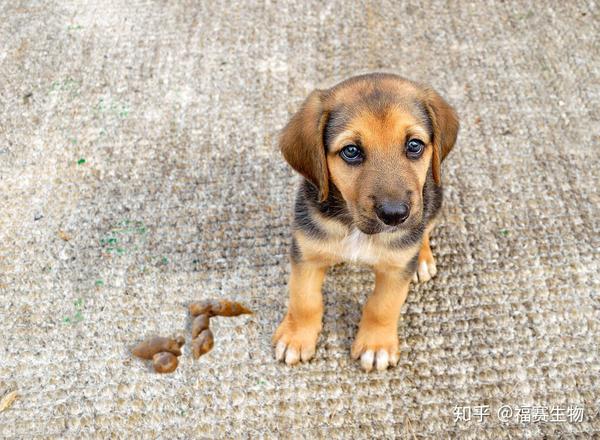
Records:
x=374, y=137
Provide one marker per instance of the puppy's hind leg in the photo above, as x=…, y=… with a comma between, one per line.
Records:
x=426, y=268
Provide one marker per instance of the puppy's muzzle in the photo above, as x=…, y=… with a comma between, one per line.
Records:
x=392, y=212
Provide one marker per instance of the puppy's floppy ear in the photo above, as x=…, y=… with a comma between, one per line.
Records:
x=301, y=142
x=444, y=122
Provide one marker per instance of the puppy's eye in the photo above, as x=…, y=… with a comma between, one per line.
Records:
x=414, y=148
x=351, y=154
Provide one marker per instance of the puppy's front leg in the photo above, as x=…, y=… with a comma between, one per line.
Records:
x=376, y=343
x=296, y=337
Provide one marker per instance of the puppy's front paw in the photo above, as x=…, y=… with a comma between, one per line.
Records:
x=295, y=342
x=376, y=346
x=426, y=269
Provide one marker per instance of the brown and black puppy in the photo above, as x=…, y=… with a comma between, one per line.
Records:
x=370, y=151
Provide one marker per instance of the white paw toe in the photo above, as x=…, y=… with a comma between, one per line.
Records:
x=292, y=356
x=382, y=361
x=280, y=351
x=425, y=271
x=307, y=353
x=366, y=360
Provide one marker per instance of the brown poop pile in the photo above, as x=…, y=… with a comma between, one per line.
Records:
x=164, y=351
x=202, y=337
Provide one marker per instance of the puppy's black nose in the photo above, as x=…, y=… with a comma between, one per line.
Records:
x=392, y=212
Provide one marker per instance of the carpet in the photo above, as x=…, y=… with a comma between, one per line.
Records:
x=139, y=171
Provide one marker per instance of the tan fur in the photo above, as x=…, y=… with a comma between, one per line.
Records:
x=302, y=323
x=382, y=139
x=425, y=254
x=378, y=325
x=336, y=250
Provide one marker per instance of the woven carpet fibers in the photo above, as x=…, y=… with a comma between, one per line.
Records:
x=139, y=171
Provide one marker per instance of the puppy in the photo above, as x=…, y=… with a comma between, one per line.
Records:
x=370, y=151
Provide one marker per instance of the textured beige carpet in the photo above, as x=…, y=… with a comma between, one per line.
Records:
x=139, y=171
